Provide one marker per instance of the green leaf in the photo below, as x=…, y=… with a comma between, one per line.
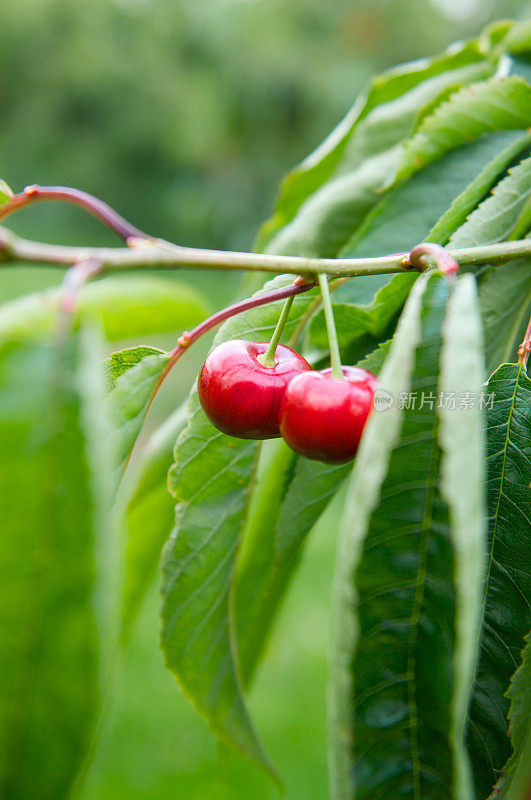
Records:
x=198, y=562
x=516, y=778
x=465, y=203
x=57, y=571
x=399, y=668
x=212, y=480
x=375, y=360
x=462, y=478
x=323, y=201
x=505, y=301
x=302, y=508
x=493, y=220
x=260, y=577
x=123, y=360
x=361, y=502
x=352, y=323
x=148, y=515
x=125, y=306
x=281, y=514
x=504, y=291
x=132, y=377
x=403, y=218
x=506, y=612
x=6, y=193
x=471, y=112
x=430, y=205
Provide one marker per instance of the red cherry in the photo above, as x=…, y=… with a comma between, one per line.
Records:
x=323, y=417
x=241, y=396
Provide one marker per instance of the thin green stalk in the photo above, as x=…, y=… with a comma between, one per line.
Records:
x=268, y=358
x=155, y=254
x=335, y=358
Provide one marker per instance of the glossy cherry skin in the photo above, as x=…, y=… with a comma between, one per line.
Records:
x=323, y=417
x=239, y=395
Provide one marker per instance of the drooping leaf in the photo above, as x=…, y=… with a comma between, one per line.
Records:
x=125, y=306
x=505, y=301
x=148, y=515
x=212, y=481
x=462, y=481
x=396, y=378
x=325, y=200
x=506, y=607
x=504, y=291
x=493, y=220
x=436, y=200
x=198, y=562
x=260, y=577
x=375, y=360
x=132, y=376
x=226, y=484
x=281, y=514
x=57, y=610
x=515, y=782
x=466, y=202
x=471, y=112
x=397, y=703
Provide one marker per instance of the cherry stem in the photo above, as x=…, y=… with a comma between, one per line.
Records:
x=525, y=347
x=268, y=358
x=422, y=253
x=93, y=205
x=335, y=357
x=188, y=338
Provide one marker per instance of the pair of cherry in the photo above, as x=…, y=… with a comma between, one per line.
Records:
x=319, y=416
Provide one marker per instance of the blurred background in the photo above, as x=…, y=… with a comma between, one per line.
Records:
x=184, y=115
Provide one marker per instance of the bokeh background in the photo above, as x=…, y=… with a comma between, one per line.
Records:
x=184, y=115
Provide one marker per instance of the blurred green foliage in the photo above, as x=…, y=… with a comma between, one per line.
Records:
x=185, y=114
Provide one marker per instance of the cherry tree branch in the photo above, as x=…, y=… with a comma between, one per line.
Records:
x=148, y=253
x=88, y=202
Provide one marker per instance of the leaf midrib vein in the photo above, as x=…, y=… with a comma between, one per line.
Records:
x=500, y=494
x=415, y=617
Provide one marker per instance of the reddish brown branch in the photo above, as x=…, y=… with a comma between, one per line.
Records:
x=88, y=202
x=189, y=337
